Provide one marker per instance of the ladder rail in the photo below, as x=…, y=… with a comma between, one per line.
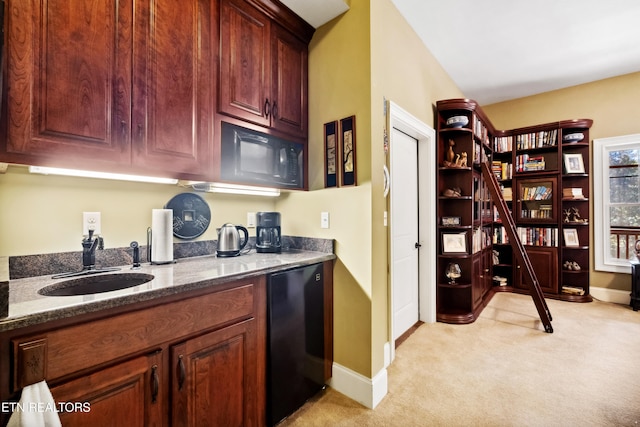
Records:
x=517, y=246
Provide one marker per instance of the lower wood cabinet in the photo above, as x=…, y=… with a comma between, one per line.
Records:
x=544, y=261
x=186, y=362
x=116, y=394
x=209, y=374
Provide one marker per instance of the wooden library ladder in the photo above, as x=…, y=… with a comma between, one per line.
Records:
x=518, y=248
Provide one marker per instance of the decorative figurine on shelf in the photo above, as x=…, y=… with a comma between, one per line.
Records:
x=452, y=192
x=496, y=257
x=453, y=272
x=450, y=154
x=571, y=265
x=576, y=215
x=461, y=161
x=573, y=215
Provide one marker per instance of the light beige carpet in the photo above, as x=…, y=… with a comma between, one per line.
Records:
x=504, y=370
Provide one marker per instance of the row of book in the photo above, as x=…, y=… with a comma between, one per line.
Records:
x=538, y=236
x=544, y=138
x=526, y=163
x=503, y=144
x=480, y=130
x=538, y=192
x=544, y=212
x=502, y=170
x=500, y=236
x=481, y=239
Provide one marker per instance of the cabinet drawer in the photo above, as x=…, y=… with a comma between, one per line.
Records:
x=65, y=351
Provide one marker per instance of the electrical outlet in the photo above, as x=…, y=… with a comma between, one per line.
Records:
x=324, y=219
x=251, y=219
x=91, y=221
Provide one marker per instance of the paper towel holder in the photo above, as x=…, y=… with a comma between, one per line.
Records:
x=149, y=254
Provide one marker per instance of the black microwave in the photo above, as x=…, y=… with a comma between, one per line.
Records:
x=254, y=157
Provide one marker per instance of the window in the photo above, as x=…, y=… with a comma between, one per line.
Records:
x=616, y=201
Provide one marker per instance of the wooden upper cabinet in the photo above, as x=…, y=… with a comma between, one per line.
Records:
x=245, y=85
x=111, y=85
x=263, y=70
x=69, y=80
x=172, y=125
x=289, y=83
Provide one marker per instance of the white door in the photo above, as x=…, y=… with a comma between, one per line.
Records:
x=404, y=231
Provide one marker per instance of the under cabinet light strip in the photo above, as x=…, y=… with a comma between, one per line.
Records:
x=102, y=175
x=215, y=187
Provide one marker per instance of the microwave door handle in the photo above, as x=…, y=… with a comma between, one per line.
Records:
x=283, y=163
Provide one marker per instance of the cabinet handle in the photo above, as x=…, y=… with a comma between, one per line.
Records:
x=123, y=128
x=155, y=383
x=139, y=130
x=267, y=108
x=274, y=110
x=181, y=372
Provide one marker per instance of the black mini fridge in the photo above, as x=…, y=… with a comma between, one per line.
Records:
x=295, y=365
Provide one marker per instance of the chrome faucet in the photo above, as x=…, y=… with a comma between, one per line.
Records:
x=89, y=246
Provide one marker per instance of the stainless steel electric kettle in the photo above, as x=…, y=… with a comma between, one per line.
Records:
x=229, y=241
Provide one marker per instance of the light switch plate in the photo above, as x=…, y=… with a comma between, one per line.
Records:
x=324, y=219
x=251, y=219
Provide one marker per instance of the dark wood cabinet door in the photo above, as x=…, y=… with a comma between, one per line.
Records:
x=214, y=378
x=172, y=129
x=245, y=73
x=290, y=83
x=544, y=261
x=129, y=393
x=69, y=81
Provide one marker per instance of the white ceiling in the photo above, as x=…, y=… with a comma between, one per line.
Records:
x=496, y=50
x=317, y=12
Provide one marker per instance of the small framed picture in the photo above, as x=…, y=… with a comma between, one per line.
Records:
x=331, y=154
x=571, y=237
x=454, y=243
x=450, y=221
x=573, y=163
x=348, y=151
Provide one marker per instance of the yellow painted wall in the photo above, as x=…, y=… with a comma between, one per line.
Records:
x=339, y=87
x=405, y=72
x=613, y=106
x=43, y=214
x=355, y=61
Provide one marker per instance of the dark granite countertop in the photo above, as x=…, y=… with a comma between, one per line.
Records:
x=27, y=307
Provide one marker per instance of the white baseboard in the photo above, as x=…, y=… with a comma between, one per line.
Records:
x=611, y=295
x=367, y=391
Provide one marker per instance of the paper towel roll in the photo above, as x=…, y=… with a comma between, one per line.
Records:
x=161, y=236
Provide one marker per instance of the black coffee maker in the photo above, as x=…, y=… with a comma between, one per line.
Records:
x=268, y=232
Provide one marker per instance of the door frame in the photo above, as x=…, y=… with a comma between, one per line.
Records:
x=400, y=119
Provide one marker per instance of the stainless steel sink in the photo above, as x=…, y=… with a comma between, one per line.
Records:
x=95, y=284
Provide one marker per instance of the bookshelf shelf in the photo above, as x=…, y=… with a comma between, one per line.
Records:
x=539, y=170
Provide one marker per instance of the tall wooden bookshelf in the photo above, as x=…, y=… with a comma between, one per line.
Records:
x=543, y=171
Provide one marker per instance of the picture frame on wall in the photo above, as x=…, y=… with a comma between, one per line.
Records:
x=454, y=243
x=331, y=158
x=348, y=151
x=573, y=163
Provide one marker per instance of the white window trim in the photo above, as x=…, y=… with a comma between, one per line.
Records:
x=601, y=232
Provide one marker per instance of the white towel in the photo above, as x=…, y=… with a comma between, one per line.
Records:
x=36, y=408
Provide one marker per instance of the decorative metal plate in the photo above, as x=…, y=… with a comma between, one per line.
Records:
x=191, y=215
